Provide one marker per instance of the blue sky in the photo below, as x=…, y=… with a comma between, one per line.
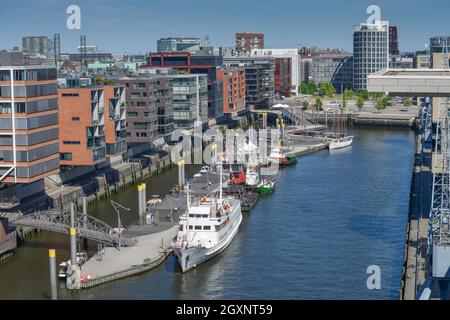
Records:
x=134, y=25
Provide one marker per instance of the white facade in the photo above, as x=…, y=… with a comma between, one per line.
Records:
x=284, y=53
x=370, y=51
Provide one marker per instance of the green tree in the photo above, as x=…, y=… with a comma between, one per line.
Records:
x=381, y=103
x=318, y=104
x=406, y=102
x=344, y=101
x=364, y=94
x=326, y=89
x=305, y=105
x=312, y=87
x=385, y=102
x=349, y=93
x=360, y=103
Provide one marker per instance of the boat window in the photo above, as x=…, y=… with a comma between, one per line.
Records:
x=204, y=216
x=190, y=227
x=181, y=227
x=198, y=215
x=198, y=227
x=206, y=227
x=191, y=216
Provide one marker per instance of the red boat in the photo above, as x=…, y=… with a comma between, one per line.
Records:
x=238, y=177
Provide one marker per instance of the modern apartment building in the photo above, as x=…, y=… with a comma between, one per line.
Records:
x=39, y=45
x=149, y=107
x=246, y=42
x=174, y=44
x=333, y=68
x=29, y=148
x=393, y=41
x=190, y=100
x=282, y=77
x=370, y=51
x=259, y=79
x=199, y=63
x=92, y=124
x=234, y=89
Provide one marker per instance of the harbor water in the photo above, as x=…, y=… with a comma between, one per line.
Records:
x=332, y=216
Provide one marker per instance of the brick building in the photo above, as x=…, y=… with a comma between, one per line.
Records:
x=92, y=124
x=234, y=89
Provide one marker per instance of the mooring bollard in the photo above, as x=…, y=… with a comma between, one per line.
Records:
x=73, y=246
x=53, y=276
x=85, y=243
x=140, y=210
x=144, y=198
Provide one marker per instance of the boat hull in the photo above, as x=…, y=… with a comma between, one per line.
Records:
x=340, y=144
x=189, y=258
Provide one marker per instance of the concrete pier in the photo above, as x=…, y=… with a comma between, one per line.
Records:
x=416, y=267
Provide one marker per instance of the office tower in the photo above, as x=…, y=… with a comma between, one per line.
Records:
x=370, y=51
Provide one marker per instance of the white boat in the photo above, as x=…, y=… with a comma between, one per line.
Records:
x=204, y=170
x=251, y=177
x=339, y=143
x=206, y=229
x=81, y=259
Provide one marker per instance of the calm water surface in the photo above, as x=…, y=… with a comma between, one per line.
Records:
x=332, y=215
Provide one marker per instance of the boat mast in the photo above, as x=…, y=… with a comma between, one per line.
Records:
x=187, y=211
x=221, y=183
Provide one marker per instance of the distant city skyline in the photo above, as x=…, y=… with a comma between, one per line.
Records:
x=135, y=26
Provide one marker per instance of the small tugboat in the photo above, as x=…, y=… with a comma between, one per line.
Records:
x=238, y=177
x=282, y=158
x=266, y=187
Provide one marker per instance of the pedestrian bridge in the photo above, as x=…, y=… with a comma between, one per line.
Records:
x=87, y=226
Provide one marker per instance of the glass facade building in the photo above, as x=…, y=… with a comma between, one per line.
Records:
x=370, y=52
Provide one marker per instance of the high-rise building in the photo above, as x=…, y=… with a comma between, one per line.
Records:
x=29, y=148
x=174, y=44
x=284, y=53
x=149, y=107
x=246, y=42
x=92, y=124
x=393, y=41
x=40, y=45
x=190, y=100
x=259, y=79
x=333, y=68
x=370, y=51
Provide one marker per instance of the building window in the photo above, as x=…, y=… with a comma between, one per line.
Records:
x=20, y=107
x=5, y=107
x=75, y=118
x=70, y=95
x=71, y=142
x=66, y=156
x=132, y=114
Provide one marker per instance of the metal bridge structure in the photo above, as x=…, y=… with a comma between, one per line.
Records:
x=435, y=125
x=87, y=226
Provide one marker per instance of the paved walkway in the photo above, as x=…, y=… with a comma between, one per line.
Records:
x=147, y=249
